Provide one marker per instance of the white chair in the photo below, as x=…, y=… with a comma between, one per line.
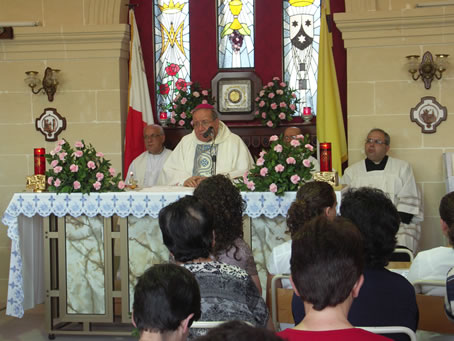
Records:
x=406, y=251
x=211, y=324
x=392, y=330
x=281, y=302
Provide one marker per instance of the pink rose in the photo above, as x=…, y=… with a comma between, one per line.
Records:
x=300, y=136
x=245, y=179
x=293, y=107
x=262, y=153
x=262, y=104
x=264, y=171
x=99, y=176
x=189, y=83
x=306, y=163
x=183, y=115
x=184, y=100
x=74, y=168
x=308, y=146
x=279, y=168
x=274, y=138
x=295, y=143
x=61, y=142
x=273, y=106
x=257, y=113
x=181, y=122
x=263, y=114
x=283, y=105
x=112, y=171
x=282, y=116
x=57, y=182
x=49, y=180
x=295, y=179
x=293, y=95
x=173, y=121
x=99, y=154
x=54, y=163
x=58, y=169
x=76, y=184
x=251, y=185
x=62, y=156
x=275, y=78
x=57, y=149
x=97, y=185
x=260, y=161
x=204, y=101
x=185, y=88
x=290, y=160
x=205, y=92
x=121, y=184
x=78, y=144
x=173, y=114
x=91, y=165
x=270, y=84
x=196, y=94
x=278, y=148
x=52, y=152
x=279, y=92
x=78, y=153
x=273, y=188
x=283, y=84
x=271, y=95
x=269, y=124
x=257, y=99
x=265, y=87
x=261, y=93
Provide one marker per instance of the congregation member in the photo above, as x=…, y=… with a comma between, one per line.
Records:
x=312, y=199
x=146, y=168
x=394, y=177
x=239, y=331
x=449, y=296
x=435, y=263
x=193, y=158
x=226, y=205
x=326, y=270
x=166, y=302
x=293, y=133
x=386, y=298
x=227, y=291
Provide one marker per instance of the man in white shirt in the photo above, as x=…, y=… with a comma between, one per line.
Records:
x=210, y=149
x=394, y=177
x=147, y=167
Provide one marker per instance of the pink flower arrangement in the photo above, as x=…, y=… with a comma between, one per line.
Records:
x=277, y=101
x=80, y=169
x=185, y=100
x=283, y=167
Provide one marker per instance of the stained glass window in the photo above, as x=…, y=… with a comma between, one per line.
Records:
x=172, y=57
x=235, y=33
x=301, y=20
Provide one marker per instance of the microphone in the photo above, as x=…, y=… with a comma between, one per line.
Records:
x=208, y=132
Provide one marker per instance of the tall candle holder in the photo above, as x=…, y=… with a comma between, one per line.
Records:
x=37, y=182
x=307, y=115
x=326, y=173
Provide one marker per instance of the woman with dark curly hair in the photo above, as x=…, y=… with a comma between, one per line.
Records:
x=227, y=206
x=312, y=199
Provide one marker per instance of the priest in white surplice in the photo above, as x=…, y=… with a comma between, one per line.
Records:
x=192, y=159
x=393, y=176
x=147, y=166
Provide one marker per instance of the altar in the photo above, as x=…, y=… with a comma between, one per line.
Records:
x=81, y=254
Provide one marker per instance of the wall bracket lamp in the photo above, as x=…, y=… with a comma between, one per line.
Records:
x=48, y=84
x=428, y=68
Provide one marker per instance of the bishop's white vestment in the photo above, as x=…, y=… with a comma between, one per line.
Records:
x=398, y=181
x=147, y=167
x=193, y=157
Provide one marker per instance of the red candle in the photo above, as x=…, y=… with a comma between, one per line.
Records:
x=307, y=111
x=39, y=161
x=163, y=115
x=325, y=157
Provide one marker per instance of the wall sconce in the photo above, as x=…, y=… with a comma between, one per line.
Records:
x=428, y=68
x=48, y=85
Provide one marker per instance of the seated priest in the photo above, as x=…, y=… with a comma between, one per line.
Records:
x=147, y=166
x=210, y=149
x=394, y=177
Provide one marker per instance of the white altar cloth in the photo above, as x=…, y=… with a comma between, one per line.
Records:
x=25, y=283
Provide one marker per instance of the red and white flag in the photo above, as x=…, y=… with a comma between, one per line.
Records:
x=140, y=113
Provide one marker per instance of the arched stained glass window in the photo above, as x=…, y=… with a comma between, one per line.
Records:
x=172, y=57
x=235, y=34
x=301, y=31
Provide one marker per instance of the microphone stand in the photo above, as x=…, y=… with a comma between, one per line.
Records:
x=213, y=156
